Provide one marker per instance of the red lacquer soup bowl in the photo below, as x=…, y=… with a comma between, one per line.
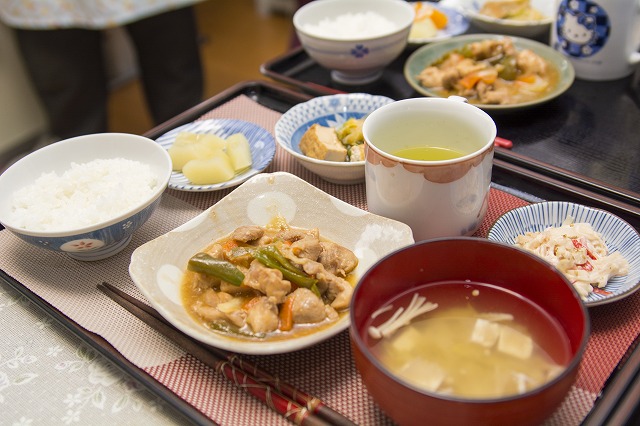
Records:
x=513, y=288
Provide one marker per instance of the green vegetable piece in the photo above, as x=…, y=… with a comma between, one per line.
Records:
x=296, y=277
x=275, y=254
x=510, y=70
x=314, y=289
x=350, y=132
x=206, y=264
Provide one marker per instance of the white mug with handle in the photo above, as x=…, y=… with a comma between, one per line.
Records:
x=600, y=37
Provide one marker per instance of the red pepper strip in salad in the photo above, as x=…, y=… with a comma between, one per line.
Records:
x=598, y=290
x=586, y=265
x=577, y=244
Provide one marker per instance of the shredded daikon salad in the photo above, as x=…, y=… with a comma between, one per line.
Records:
x=579, y=252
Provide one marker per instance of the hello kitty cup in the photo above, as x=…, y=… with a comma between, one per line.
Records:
x=408, y=181
x=600, y=37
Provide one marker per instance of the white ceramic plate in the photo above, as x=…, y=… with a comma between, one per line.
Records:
x=457, y=24
x=262, y=143
x=617, y=234
x=427, y=55
x=533, y=28
x=331, y=111
x=157, y=266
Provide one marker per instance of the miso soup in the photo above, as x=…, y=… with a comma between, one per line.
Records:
x=481, y=341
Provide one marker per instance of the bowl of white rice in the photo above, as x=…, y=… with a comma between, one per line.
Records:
x=84, y=196
x=354, y=39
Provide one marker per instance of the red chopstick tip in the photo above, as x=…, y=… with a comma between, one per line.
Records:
x=502, y=142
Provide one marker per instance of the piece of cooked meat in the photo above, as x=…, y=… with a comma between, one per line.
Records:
x=307, y=307
x=268, y=281
x=247, y=233
x=337, y=259
x=336, y=289
x=263, y=316
x=309, y=248
x=322, y=143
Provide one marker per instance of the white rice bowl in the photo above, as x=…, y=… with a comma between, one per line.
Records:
x=84, y=196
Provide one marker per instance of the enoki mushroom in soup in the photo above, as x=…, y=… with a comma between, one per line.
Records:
x=270, y=283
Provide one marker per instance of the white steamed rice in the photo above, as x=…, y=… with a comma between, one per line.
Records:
x=350, y=26
x=85, y=195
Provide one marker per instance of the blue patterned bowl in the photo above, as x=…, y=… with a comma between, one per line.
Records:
x=617, y=234
x=330, y=111
x=89, y=241
x=358, y=57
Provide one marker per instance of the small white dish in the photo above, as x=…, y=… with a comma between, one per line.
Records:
x=262, y=143
x=617, y=234
x=457, y=24
x=529, y=28
x=331, y=111
x=157, y=266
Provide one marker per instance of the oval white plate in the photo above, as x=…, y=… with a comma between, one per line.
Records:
x=262, y=143
x=617, y=234
x=157, y=266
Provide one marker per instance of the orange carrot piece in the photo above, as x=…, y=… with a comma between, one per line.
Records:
x=286, y=314
x=229, y=245
x=439, y=19
x=249, y=303
x=528, y=78
x=469, y=80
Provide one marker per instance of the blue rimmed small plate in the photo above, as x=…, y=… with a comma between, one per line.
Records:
x=457, y=23
x=617, y=233
x=261, y=142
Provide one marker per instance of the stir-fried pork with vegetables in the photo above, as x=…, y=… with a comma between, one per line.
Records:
x=272, y=282
x=491, y=72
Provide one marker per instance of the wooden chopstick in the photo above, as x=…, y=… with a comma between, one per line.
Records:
x=295, y=405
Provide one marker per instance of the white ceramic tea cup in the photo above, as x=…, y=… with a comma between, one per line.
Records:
x=600, y=37
x=435, y=197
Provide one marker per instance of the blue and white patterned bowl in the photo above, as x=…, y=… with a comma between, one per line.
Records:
x=103, y=239
x=330, y=111
x=261, y=142
x=617, y=234
x=359, y=59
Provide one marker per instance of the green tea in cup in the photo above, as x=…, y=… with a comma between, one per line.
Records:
x=428, y=164
x=428, y=153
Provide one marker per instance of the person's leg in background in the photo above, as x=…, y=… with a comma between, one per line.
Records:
x=67, y=68
x=169, y=58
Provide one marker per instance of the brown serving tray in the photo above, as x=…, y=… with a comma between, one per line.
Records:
x=588, y=137
x=617, y=398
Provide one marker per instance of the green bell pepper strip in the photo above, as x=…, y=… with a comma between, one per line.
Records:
x=206, y=264
x=275, y=254
x=267, y=258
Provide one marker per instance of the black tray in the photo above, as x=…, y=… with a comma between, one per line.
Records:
x=623, y=381
x=587, y=137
